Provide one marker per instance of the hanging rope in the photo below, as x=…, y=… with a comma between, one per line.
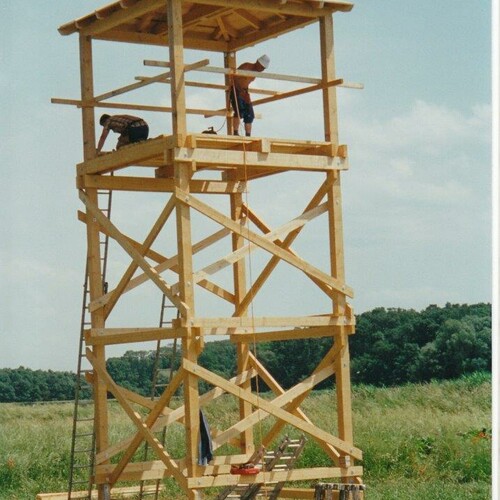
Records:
x=259, y=454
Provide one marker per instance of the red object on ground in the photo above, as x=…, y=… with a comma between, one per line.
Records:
x=244, y=470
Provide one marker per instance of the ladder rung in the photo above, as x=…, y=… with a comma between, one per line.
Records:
x=85, y=434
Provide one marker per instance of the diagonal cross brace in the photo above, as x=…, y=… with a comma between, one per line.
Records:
x=135, y=254
x=262, y=242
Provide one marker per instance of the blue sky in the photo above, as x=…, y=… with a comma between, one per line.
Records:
x=417, y=201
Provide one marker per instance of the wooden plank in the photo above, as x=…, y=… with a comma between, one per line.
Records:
x=272, y=30
x=293, y=93
x=114, y=336
x=265, y=321
x=240, y=72
x=125, y=492
x=93, y=267
x=138, y=107
x=299, y=493
x=260, y=241
x=271, y=408
x=146, y=184
x=275, y=476
x=126, y=156
x=148, y=81
x=133, y=253
x=121, y=16
x=297, y=333
x=215, y=86
x=230, y=158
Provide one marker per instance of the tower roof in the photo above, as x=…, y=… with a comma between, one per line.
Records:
x=217, y=25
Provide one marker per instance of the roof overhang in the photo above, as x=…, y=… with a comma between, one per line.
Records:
x=217, y=25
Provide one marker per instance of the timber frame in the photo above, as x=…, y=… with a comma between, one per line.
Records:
x=189, y=168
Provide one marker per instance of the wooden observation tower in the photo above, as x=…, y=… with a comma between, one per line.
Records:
x=208, y=176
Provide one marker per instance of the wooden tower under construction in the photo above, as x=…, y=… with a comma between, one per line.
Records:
x=208, y=176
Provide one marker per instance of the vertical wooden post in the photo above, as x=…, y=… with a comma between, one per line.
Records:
x=342, y=367
x=177, y=87
x=182, y=174
x=95, y=278
x=229, y=63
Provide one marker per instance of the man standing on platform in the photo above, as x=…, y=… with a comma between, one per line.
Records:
x=131, y=129
x=240, y=97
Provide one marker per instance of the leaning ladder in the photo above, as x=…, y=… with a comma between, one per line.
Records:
x=161, y=378
x=283, y=458
x=82, y=457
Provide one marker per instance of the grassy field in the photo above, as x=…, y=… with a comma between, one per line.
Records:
x=419, y=441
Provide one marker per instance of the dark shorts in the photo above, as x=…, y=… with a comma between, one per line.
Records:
x=242, y=108
x=139, y=133
x=134, y=133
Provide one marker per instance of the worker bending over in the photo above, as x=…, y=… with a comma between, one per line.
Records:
x=240, y=97
x=131, y=129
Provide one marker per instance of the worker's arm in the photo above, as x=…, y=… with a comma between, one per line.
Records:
x=102, y=139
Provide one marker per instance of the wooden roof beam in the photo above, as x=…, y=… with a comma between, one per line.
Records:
x=307, y=9
x=121, y=16
x=196, y=14
x=249, y=18
x=270, y=31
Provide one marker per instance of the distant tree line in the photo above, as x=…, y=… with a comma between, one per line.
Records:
x=390, y=347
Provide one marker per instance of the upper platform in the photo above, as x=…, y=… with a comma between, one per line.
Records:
x=237, y=158
x=217, y=25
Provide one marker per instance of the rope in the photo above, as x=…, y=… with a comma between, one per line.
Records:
x=250, y=277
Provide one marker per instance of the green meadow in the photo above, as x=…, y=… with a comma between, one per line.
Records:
x=427, y=441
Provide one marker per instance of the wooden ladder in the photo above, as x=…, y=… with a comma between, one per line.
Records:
x=161, y=378
x=82, y=456
x=283, y=457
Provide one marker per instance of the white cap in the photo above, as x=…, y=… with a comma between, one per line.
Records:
x=264, y=61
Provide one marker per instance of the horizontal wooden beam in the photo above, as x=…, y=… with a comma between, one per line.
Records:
x=220, y=158
x=213, y=86
x=240, y=72
x=275, y=476
x=263, y=321
x=148, y=81
x=113, y=336
x=139, y=107
x=126, y=492
x=295, y=334
x=147, y=184
x=130, y=155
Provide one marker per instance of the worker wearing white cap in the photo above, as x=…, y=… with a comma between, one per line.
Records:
x=240, y=97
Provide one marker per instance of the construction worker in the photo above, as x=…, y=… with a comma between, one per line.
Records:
x=131, y=129
x=240, y=97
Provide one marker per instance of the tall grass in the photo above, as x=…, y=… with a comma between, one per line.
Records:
x=419, y=441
